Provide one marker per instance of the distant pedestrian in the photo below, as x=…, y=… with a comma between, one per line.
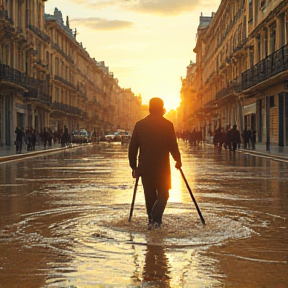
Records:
x=227, y=144
x=28, y=138
x=249, y=137
x=253, y=138
x=234, y=138
x=94, y=136
x=246, y=138
x=33, y=139
x=19, y=139
x=50, y=137
x=65, y=137
x=45, y=137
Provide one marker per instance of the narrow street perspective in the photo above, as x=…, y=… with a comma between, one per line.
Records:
x=143, y=144
x=64, y=222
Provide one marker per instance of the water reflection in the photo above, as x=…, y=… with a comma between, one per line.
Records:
x=155, y=270
x=67, y=215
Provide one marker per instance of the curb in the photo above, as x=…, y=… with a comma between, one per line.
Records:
x=259, y=154
x=264, y=154
x=31, y=154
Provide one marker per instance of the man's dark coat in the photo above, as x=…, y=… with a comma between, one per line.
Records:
x=155, y=137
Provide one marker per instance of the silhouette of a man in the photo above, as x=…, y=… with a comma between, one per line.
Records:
x=154, y=138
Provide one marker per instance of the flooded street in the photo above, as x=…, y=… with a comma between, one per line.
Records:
x=64, y=222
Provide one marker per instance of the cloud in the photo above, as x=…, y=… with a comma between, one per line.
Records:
x=102, y=23
x=157, y=7
x=161, y=7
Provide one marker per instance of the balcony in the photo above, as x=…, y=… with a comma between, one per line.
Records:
x=63, y=54
x=62, y=80
x=39, y=33
x=38, y=95
x=224, y=93
x=267, y=68
x=67, y=109
x=37, y=89
x=233, y=88
x=40, y=65
x=209, y=105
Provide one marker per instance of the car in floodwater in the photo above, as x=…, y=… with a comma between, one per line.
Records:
x=81, y=136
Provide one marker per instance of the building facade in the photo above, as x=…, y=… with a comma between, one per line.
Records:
x=24, y=81
x=48, y=79
x=189, y=104
x=241, y=70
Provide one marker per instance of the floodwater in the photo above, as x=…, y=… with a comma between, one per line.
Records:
x=64, y=222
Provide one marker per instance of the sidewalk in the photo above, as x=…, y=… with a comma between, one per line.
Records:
x=8, y=153
x=275, y=152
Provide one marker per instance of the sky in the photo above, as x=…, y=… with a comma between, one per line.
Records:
x=147, y=44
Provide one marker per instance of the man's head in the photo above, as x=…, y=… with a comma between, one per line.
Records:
x=156, y=106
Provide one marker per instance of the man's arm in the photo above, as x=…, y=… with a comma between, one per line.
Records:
x=174, y=149
x=133, y=149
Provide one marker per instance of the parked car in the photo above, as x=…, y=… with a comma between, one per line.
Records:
x=126, y=138
x=118, y=136
x=81, y=136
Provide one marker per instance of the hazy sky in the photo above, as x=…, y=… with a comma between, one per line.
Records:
x=147, y=44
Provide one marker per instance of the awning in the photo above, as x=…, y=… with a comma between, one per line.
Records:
x=249, y=109
x=7, y=86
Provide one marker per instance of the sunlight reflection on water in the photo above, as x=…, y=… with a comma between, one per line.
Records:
x=77, y=216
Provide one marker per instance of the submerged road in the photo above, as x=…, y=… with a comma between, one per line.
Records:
x=64, y=222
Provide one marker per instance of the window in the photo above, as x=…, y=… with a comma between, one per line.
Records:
x=259, y=48
x=57, y=66
x=20, y=15
x=251, y=58
x=47, y=57
x=273, y=38
x=265, y=43
x=281, y=29
x=57, y=95
x=263, y=4
x=250, y=10
x=272, y=101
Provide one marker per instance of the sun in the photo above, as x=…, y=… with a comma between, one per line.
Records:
x=170, y=102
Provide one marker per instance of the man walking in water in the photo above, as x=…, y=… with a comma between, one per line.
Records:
x=154, y=137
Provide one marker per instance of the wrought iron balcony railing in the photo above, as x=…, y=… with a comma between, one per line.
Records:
x=61, y=79
x=67, y=108
x=233, y=88
x=265, y=69
x=37, y=89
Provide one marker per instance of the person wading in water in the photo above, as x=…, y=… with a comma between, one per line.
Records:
x=154, y=138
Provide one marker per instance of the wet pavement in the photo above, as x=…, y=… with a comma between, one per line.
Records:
x=64, y=222
x=8, y=153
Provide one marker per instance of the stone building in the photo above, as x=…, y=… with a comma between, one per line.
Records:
x=264, y=89
x=241, y=69
x=48, y=79
x=24, y=79
x=189, y=103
